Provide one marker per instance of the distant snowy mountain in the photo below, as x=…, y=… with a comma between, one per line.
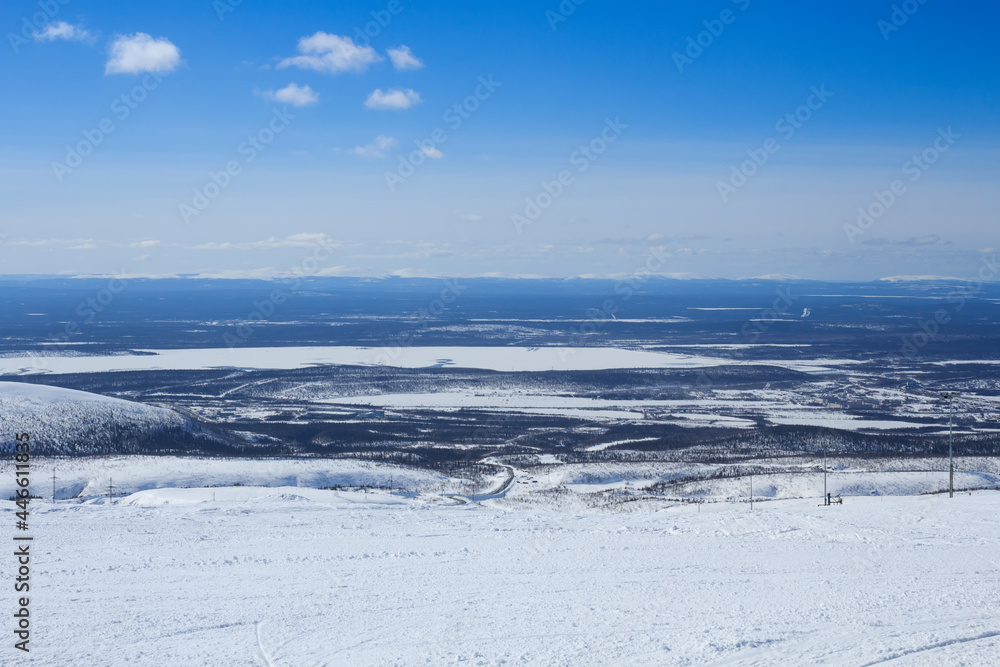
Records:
x=66, y=421
x=921, y=279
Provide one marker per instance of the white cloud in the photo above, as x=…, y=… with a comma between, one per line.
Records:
x=403, y=59
x=141, y=258
x=294, y=94
x=431, y=152
x=63, y=30
x=376, y=149
x=144, y=244
x=87, y=245
x=332, y=54
x=394, y=98
x=133, y=54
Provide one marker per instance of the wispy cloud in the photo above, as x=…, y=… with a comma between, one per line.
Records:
x=134, y=54
x=60, y=30
x=294, y=94
x=394, y=98
x=403, y=59
x=332, y=54
x=144, y=244
x=431, y=152
x=72, y=244
x=376, y=149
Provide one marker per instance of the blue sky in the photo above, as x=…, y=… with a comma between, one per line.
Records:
x=667, y=120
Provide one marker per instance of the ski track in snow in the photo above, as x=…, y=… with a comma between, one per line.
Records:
x=352, y=579
x=260, y=647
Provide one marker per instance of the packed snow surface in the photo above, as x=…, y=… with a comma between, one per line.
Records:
x=295, y=577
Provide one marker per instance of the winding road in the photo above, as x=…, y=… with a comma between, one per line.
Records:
x=498, y=492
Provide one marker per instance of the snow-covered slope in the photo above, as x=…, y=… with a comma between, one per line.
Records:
x=87, y=478
x=290, y=578
x=65, y=420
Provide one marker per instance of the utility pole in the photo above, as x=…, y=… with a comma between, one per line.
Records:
x=824, y=478
x=111, y=491
x=751, y=492
x=950, y=395
x=53, y=485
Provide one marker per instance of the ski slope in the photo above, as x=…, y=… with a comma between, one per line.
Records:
x=291, y=576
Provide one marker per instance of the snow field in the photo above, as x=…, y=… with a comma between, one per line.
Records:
x=302, y=580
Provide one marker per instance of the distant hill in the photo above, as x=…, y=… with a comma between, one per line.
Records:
x=69, y=422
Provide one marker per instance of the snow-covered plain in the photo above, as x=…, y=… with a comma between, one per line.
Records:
x=301, y=577
x=777, y=407
x=507, y=358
